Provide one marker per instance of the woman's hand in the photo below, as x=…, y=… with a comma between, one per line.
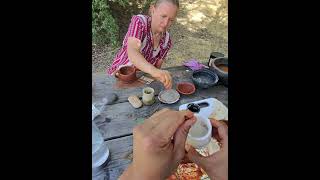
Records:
x=164, y=77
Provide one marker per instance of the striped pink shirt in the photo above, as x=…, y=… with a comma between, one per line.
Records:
x=140, y=27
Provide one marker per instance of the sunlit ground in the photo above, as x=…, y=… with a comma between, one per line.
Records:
x=201, y=27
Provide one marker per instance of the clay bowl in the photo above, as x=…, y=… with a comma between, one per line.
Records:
x=214, y=55
x=126, y=74
x=204, y=78
x=186, y=88
x=220, y=66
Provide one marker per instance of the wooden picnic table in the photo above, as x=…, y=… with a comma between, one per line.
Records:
x=117, y=120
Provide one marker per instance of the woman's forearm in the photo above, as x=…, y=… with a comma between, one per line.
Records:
x=140, y=62
x=137, y=59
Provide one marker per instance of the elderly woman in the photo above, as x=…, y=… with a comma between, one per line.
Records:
x=147, y=41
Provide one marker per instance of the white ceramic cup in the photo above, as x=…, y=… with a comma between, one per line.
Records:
x=200, y=133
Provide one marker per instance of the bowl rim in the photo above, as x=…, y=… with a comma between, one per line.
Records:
x=213, y=65
x=206, y=71
x=202, y=140
x=168, y=102
x=187, y=83
x=219, y=54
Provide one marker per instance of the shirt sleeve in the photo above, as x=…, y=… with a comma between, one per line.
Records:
x=136, y=28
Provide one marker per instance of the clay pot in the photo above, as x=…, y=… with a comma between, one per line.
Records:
x=204, y=78
x=186, y=88
x=214, y=55
x=126, y=74
x=220, y=66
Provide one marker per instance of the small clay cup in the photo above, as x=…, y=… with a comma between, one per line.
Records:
x=126, y=74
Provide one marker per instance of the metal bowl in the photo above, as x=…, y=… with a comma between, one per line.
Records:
x=204, y=78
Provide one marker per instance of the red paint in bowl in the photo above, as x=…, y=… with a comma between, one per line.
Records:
x=186, y=88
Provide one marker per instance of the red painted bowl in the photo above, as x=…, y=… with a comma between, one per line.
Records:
x=186, y=88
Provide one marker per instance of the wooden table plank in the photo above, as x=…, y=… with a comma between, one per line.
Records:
x=119, y=159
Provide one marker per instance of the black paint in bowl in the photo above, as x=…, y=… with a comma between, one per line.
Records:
x=204, y=78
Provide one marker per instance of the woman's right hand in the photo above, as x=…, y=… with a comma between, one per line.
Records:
x=215, y=165
x=164, y=77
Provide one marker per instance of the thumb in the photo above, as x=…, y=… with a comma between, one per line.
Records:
x=195, y=157
x=181, y=136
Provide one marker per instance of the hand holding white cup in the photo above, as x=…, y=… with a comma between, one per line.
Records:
x=200, y=132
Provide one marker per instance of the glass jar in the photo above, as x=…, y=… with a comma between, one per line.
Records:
x=100, y=151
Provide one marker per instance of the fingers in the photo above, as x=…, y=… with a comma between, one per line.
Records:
x=166, y=79
x=156, y=117
x=222, y=131
x=169, y=80
x=160, y=115
x=188, y=114
x=181, y=137
x=185, y=159
x=195, y=157
x=169, y=124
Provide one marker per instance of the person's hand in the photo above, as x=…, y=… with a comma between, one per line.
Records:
x=215, y=165
x=158, y=144
x=164, y=77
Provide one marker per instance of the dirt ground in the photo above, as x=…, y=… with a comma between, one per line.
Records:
x=201, y=27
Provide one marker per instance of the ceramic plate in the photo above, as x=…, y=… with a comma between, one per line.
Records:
x=169, y=96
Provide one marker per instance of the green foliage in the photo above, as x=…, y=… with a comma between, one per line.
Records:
x=123, y=3
x=104, y=27
x=146, y=5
